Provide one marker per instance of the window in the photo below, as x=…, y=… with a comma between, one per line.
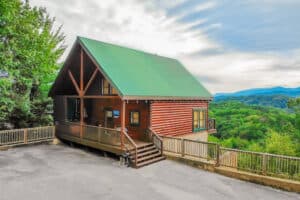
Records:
x=106, y=87
x=134, y=118
x=113, y=90
x=199, y=119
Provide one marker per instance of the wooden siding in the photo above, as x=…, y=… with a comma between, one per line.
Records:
x=99, y=105
x=172, y=118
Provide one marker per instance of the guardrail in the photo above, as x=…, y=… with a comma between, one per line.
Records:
x=254, y=162
x=192, y=148
x=26, y=136
x=261, y=163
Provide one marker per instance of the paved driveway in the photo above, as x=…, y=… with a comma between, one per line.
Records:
x=59, y=172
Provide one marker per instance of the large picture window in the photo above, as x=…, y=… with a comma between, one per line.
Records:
x=135, y=118
x=199, y=119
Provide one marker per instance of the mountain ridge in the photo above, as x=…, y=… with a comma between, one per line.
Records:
x=285, y=91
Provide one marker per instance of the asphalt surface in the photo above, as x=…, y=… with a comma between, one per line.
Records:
x=57, y=172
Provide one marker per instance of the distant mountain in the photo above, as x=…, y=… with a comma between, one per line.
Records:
x=290, y=92
x=275, y=97
x=277, y=101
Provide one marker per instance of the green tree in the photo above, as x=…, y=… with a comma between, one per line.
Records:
x=29, y=50
x=280, y=144
x=294, y=104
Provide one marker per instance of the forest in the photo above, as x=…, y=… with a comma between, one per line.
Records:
x=257, y=128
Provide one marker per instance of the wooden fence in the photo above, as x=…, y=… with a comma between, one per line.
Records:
x=26, y=136
x=261, y=163
x=192, y=148
x=255, y=162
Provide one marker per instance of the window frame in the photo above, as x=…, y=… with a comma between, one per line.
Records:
x=139, y=117
x=199, y=128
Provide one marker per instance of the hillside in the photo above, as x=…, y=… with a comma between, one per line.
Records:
x=256, y=128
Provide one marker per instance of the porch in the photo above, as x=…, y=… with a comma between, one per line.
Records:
x=141, y=152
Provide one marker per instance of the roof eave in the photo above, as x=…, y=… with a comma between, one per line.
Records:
x=165, y=98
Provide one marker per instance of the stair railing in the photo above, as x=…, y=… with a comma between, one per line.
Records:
x=131, y=141
x=156, y=139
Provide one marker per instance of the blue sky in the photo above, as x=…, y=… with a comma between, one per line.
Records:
x=227, y=44
x=249, y=25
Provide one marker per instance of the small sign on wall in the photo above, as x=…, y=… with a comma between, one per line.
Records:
x=116, y=113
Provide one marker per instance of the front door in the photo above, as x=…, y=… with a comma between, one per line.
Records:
x=108, y=118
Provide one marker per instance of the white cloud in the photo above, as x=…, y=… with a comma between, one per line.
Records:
x=145, y=25
x=130, y=23
x=233, y=71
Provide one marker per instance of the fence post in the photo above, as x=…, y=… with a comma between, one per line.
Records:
x=182, y=147
x=54, y=131
x=264, y=164
x=25, y=136
x=162, y=146
x=218, y=156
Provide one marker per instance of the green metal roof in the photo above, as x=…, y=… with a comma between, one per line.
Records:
x=140, y=75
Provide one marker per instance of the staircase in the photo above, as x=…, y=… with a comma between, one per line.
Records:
x=146, y=154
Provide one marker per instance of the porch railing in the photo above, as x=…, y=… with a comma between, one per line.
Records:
x=92, y=133
x=26, y=136
x=156, y=140
x=98, y=134
x=211, y=124
x=132, y=146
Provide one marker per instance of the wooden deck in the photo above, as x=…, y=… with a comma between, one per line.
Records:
x=140, y=153
x=96, y=137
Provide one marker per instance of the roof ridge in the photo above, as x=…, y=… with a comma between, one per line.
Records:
x=126, y=47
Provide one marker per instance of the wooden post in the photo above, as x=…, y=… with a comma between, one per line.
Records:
x=25, y=136
x=81, y=116
x=182, y=147
x=218, y=156
x=81, y=94
x=207, y=118
x=264, y=164
x=123, y=110
x=81, y=72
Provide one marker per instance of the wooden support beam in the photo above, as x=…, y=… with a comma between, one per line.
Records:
x=81, y=71
x=74, y=82
x=81, y=94
x=123, y=110
x=91, y=80
x=81, y=116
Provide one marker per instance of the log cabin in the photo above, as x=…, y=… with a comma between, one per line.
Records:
x=123, y=100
